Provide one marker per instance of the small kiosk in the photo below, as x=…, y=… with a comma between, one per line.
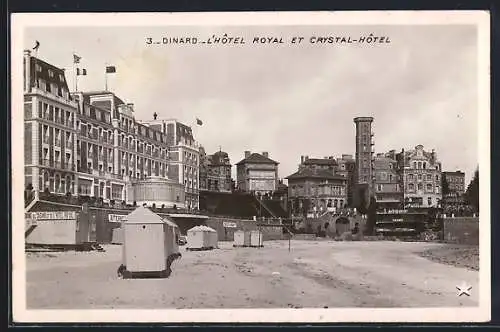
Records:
x=149, y=245
x=60, y=229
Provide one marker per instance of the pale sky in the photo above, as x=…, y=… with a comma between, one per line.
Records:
x=290, y=100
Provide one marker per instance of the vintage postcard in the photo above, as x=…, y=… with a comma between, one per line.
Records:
x=251, y=167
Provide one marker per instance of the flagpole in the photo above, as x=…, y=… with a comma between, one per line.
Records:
x=74, y=73
x=106, y=76
x=36, y=59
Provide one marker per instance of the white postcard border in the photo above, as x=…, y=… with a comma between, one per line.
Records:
x=475, y=314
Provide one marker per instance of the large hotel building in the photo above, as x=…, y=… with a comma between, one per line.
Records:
x=89, y=143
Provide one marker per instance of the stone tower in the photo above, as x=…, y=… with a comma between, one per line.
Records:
x=364, y=160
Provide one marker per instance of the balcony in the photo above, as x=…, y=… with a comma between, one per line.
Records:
x=53, y=96
x=117, y=176
x=47, y=163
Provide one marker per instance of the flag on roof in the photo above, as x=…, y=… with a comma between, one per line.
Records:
x=82, y=72
x=110, y=69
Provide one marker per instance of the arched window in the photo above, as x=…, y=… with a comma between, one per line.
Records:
x=57, y=183
x=46, y=182
x=68, y=184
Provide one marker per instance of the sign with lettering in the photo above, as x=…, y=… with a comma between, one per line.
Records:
x=228, y=224
x=116, y=217
x=53, y=215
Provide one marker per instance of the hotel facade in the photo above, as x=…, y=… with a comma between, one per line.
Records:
x=90, y=144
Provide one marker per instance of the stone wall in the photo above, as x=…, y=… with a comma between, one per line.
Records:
x=462, y=230
x=227, y=233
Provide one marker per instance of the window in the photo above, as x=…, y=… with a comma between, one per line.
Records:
x=437, y=177
x=429, y=187
x=437, y=189
x=379, y=187
x=429, y=201
x=419, y=186
x=429, y=177
x=420, y=177
x=51, y=73
x=411, y=187
x=425, y=164
x=419, y=165
x=410, y=177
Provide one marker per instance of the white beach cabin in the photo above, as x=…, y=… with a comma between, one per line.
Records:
x=213, y=237
x=256, y=238
x=149, y=243
x=201, y=238
x=241, y=238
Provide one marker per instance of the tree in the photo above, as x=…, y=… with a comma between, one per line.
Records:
x=472, y=193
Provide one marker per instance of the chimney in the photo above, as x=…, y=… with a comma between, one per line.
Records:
x=247, y=154
x=301, y=159
x=27, y=71
x=155, y=115
x=306, y=158
x=265, y=154
x=331, y=157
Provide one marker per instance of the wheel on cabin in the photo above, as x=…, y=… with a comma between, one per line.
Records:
x=121, y=271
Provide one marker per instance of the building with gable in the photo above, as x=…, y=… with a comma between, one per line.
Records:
x=257, y=173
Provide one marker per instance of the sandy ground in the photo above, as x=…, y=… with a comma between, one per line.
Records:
x=314, y=274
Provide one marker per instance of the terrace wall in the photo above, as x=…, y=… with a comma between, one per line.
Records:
x=461, y=230
x=227, y=234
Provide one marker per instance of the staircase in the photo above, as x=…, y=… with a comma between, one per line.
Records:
x=29, y=229
x=28, y=207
